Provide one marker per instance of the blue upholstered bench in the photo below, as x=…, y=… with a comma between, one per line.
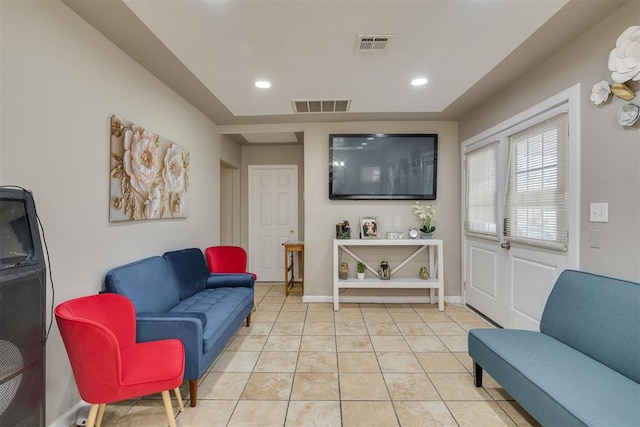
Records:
x=583, y=367
x=175, y=296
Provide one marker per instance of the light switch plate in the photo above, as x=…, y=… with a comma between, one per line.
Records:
x=599, y=212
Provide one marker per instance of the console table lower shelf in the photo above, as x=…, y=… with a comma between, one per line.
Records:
x=436, y=266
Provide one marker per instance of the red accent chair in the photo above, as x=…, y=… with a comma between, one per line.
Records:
x=227, y=259
x=99, y=333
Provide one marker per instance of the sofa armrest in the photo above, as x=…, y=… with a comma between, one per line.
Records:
x=188, y=330
x=180, y=314
x=230, y=280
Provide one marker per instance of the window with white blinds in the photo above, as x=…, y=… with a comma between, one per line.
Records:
x=536, y=194
x=482, y=190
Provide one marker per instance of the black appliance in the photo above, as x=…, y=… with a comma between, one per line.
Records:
x=22, y=312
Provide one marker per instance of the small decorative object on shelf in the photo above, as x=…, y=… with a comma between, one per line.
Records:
x=426, y=215
x=413, y=233
x=395, y=235
x=360, y=267
x=343, y=273
x=384, y=272
x=343, y=230
x=369, y=227
x=424, y=273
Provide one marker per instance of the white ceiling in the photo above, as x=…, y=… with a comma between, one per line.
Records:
x=306, y=49
x=212, y=51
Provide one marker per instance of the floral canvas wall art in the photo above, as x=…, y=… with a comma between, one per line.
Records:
x=149, y=174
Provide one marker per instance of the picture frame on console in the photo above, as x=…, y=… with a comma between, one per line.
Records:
x=369, y=227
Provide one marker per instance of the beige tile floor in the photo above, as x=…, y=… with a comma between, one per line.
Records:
x=365, y=365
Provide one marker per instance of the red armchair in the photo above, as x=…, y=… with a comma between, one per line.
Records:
x=227, y=259
x=99, y=333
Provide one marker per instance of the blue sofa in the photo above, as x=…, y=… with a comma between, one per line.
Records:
x=175, y=296
x=583, y=367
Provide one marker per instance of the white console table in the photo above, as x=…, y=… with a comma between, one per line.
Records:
x=436, y=267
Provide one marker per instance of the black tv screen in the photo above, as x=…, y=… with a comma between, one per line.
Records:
x=17, y=245
x=383, y=166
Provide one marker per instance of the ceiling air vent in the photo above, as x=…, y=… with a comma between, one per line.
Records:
x=304, y=106
x=372, y=43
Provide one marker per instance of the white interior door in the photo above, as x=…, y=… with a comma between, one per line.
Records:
x=520, y=203
x=484, y=260
x=273, y=218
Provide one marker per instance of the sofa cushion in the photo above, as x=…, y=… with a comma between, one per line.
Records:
x=220, y=306
x=557, y=384
x=147, y=283
x=230, y=280
x=189, y=270
x=169, y=314
x=598, y=316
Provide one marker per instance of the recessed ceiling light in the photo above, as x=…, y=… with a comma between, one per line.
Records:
x=262, y=84
x=421, y=81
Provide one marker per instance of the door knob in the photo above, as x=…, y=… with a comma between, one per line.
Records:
x=505, y=245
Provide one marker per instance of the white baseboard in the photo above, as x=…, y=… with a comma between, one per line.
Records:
x=453, y=300
x=380, y=299
x=317, y=298
x=69, y=418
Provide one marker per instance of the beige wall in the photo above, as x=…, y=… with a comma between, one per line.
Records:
x=230, y=164
x=610, y=154
x=61, y=81
x=271, y=155
x=229, y=205
x=321, y=214
x=230, y=151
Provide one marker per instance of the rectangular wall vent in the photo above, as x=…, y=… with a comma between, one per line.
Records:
x=372, y=43
x=305, y=106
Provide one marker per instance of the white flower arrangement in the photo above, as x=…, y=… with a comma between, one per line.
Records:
x=600, y=92
x=426, y=215
x=624, y=59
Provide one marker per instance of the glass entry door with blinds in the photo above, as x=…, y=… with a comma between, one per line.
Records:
x=516, y=218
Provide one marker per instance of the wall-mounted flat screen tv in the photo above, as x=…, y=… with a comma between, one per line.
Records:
x=383, y=166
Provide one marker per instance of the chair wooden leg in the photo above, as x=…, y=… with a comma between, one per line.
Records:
x=179, y=398
x=166, y=399
x=100, y=414
x=93, y=411
x=193, y=392
x=248, y=320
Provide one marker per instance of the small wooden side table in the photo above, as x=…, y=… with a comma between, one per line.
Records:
x=290, y=250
